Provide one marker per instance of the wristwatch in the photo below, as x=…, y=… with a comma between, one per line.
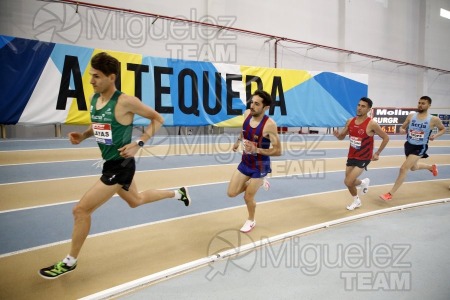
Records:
x=140, y=143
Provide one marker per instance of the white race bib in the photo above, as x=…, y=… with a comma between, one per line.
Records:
x=102, y=133
x=355, y=142
x=416, y=135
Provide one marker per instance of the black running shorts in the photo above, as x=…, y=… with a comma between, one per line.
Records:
x=362, y=164
x=419, y=150
x=119, y=172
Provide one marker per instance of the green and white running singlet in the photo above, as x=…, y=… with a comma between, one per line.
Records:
x=109, y=134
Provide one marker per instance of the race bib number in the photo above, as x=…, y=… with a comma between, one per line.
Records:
x=416, y=135
x=355, y=142
x=102, y=133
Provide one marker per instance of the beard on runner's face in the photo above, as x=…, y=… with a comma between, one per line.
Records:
x=254, y=113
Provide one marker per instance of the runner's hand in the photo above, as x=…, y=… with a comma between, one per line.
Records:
x=129, y=150
x=75, y=137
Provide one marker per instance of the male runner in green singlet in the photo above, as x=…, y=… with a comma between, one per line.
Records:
x=112, y=114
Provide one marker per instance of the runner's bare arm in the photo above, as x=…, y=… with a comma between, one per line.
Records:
x=383, y=135
x=341, y=135
x=436, y=122
x=270, y=130
x=405, y=124
x=131, y=106
x=76, y=137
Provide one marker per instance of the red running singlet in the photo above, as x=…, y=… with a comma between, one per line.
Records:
x=361, y=144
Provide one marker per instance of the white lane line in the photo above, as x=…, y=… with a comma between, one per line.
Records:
x=182, y=217
x=168, y=273
x=183, y=154
x=99, y=174
x=296, y=175
x=112, y=231
x=99, y=158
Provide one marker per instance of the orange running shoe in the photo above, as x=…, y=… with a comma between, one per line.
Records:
x=434, y=170
x=386, y=197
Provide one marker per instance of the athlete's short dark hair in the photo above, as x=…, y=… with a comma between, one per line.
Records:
x=426, y=98
x=367, y=100
x=105, y=63
x=267, y=99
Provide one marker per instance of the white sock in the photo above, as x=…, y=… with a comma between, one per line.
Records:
x=356, y=198
x=69, y=260
x=177, y=195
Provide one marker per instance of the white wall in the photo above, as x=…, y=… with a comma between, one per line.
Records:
x=404, y=30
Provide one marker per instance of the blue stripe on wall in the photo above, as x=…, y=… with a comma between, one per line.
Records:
x=5, y=40
x=345, y=91
x=19, y=77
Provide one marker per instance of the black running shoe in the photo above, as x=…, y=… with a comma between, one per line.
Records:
x=56, y=270
x=184, y=196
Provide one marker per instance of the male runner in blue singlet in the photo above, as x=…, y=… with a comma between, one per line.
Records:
x=418, y=127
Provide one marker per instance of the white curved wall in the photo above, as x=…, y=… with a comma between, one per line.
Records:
x=404, y=30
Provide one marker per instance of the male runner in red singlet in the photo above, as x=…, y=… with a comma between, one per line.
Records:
x=260, y=140
x=361, y=130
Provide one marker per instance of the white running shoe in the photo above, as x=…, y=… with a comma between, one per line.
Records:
x=356, y=203
x=248, y=226
x=365, y=185
x=266, y=184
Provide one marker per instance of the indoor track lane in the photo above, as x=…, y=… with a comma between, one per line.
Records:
x=166, y=234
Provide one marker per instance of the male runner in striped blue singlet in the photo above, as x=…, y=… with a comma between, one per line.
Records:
x=260, y=140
